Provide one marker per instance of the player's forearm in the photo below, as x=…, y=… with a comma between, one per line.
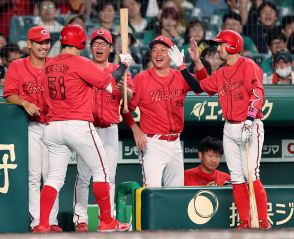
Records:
x=128, y=118
x=16, y=99
x=191, y=81
x=255, y=103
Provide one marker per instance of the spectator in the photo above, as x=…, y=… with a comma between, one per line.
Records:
x=106, y=11
x=9, y=8
x=146, y=61
x=47, y=17
x=136, y=20
x=210, y=151
x=73, y=19
x=282, y=66
x=131, y=43
x=205, y=63
x=196, y=30
x=290, y=44
x=249, y=16
x=232, y=21
x=260, y=31
x=2, y=70
x=209, y=7
x=3, y=41
x=276, y=42
x=287, y=25
x=10, y=52
x=211, y=55
x=167, y=27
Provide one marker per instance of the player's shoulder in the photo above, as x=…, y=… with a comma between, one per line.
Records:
x=18, y=62
x=143, y=75
x=223, y=174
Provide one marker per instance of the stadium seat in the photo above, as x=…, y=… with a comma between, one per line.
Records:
x=139, y=51
x=258, y=58
x=135, y=69
x=19, y=25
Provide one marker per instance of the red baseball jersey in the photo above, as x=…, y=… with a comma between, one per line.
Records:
x=106, y=104
x=238, y=86
x=196, y=177
x=67, y=87
x=161, y=101
x=25, y=80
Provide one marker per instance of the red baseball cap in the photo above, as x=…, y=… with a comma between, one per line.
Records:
x=103, y=34
x=161, y=40
x=38, y=34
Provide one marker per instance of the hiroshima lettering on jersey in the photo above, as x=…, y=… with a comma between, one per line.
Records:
x=32, y=87
x=230, y=86
x=159, y=95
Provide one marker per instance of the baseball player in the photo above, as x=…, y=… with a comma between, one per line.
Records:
x=23, y=87
x=240, y=90
x=68, y=94
x=106, y=117
x=160, y=93
x=210, y=151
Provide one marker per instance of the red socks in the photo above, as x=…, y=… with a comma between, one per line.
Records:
x=241, y=198
x=101, y=192
x=48, y=196
x=261, y=200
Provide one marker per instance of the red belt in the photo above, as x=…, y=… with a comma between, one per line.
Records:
x=234, y=122
x=103, y=125
x=167, y=137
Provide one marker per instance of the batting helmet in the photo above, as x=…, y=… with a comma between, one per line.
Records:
x=73, y=35
x=233, y=40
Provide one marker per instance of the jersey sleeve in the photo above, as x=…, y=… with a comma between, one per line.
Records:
x=255, y=89
x=138, y=80
x=11, y=81
x=93, y=75
x=210, y=84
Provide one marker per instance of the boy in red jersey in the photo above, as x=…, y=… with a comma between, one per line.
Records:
x=106, y=117
x=160, y=93
x=210, y=151
x=23, y=87
x=68, y=94
x=240, y=90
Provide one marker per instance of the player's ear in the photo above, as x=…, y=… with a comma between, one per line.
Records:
x=200, y=155
x=29, y=44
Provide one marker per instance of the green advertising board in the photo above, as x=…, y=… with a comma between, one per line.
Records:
x=13, y=169
x=205, y=207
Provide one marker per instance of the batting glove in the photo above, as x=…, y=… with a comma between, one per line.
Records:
x=176, y=55
x=127, y=59
x=246, y=131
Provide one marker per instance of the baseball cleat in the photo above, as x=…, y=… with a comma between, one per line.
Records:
x=265, y=225
x=82, y=227
x=41, y=229
x=55, y=228
x=113, y=226
x=244, y=225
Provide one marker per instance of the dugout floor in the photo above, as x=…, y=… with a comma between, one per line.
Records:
x=201, y=234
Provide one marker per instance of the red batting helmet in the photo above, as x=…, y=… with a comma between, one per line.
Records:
x=233, y=40
x=73, y=35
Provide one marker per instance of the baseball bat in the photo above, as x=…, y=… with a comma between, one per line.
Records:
x=124, y=32
x=252, y=200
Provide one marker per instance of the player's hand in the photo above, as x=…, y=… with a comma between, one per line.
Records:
x=176, y=55
x=127, y=59
x=140, y=138
x=194, y=50
x=246, y=131
x=212, y=183
x=31, y=108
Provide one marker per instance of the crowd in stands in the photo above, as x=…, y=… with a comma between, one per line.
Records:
x=266, y=26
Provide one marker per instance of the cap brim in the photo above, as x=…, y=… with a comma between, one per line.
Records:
x=101, y=37
x=158, y=42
